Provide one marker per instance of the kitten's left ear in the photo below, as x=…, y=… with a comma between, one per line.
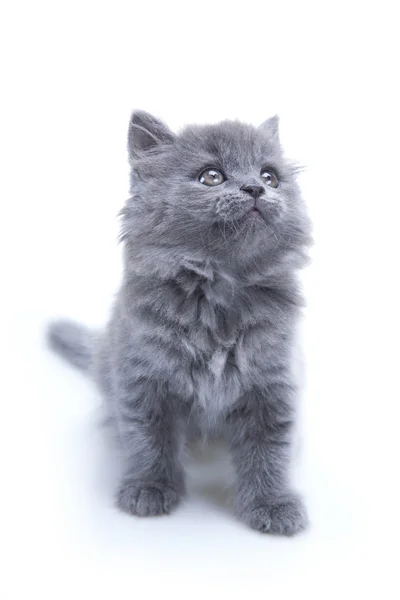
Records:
x=270, y=128
x=146, y=133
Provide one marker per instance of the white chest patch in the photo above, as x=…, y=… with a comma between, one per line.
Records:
x=217, y=384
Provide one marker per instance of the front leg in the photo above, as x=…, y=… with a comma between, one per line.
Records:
x=260, y=434
x=150, y=436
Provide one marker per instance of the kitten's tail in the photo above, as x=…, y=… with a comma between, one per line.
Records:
x=73, y=342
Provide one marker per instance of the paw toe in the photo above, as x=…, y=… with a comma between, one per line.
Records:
x=281, y=517
x=288, y=518
x=146, y=500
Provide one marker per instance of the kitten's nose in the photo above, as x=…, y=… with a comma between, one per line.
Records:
x=254, y=190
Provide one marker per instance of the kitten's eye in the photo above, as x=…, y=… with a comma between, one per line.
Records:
x=211, y=177
x=269, y=178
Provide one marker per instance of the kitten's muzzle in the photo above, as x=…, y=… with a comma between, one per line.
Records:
x=254, y=190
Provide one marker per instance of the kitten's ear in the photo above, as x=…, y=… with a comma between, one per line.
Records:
x=270, y=128
x=146, y=132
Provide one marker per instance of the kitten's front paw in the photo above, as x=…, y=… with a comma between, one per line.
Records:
x=286, y=516
x=147, y=499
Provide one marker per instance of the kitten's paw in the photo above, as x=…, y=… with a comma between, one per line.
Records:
x=147, y=499
x=286, y=516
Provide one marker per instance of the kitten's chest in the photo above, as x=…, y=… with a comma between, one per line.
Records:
x=216, y=380
x=221, y=376
x=224, y=366
x=228, y=340
x=220, y=334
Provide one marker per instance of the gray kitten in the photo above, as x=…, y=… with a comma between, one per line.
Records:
x=201, y=339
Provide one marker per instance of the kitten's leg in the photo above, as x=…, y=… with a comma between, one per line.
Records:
x=148, y=429
x=260, y=438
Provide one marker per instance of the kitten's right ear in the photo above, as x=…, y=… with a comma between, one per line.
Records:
x=270, y=128
x=146, y=133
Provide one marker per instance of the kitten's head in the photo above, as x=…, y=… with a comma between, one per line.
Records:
x=213, y=190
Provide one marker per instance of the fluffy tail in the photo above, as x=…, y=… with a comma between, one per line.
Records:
x=73, y=342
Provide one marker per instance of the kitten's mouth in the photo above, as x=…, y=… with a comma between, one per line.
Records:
x=255, y=215
x=254, y=212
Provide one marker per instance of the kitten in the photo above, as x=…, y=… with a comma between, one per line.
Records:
x=202, y=334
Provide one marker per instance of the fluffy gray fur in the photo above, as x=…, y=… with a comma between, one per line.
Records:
x=202, y=335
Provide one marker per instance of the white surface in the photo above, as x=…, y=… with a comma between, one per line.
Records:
x=71, y=73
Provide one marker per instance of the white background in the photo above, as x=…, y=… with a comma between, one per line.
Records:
x=71, y=73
